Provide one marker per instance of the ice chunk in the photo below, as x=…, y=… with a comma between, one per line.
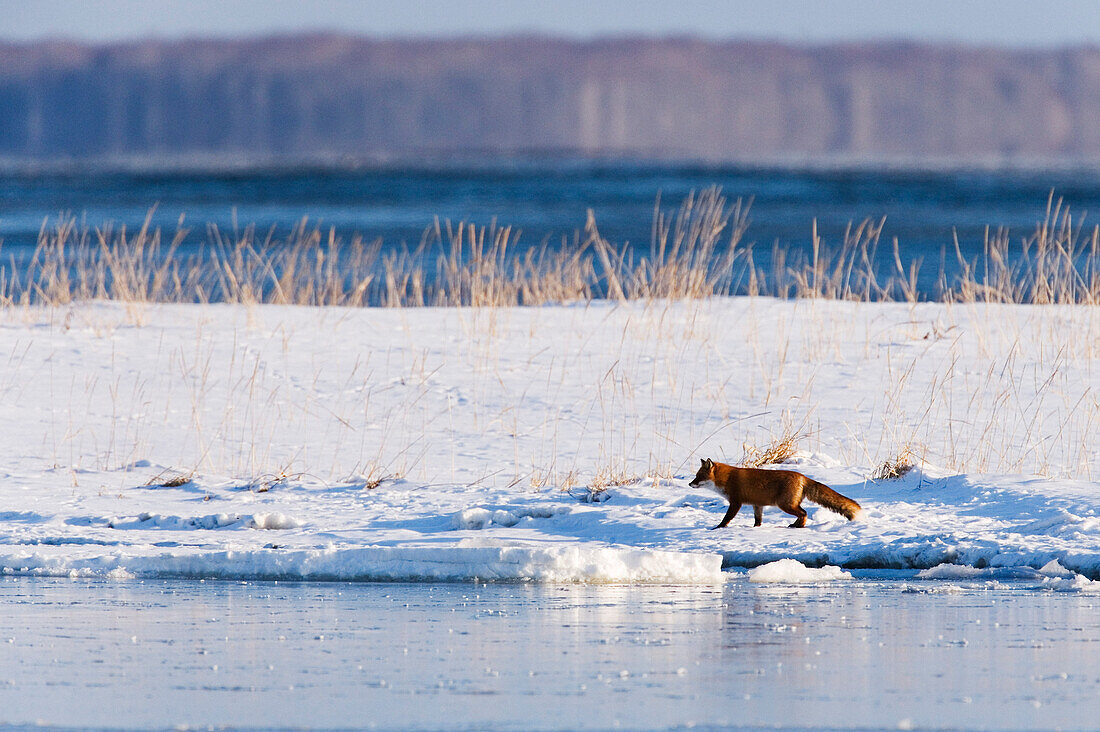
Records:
x=1073, y=583
x=950, y=572
x=790, y=570
x=1054, y=568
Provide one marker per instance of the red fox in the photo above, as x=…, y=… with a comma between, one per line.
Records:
x=783, y=488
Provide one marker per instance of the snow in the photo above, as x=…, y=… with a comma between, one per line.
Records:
x=1051, y=576
x=791, y=572
x=466, y=560
x=481, y=518
x=546, y=444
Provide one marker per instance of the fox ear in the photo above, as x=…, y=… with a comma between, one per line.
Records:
x=703, y=463
x=708, y=463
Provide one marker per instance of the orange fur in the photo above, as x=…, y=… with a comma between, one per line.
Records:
x=759, y=488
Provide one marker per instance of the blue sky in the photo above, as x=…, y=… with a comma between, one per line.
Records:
x=1002, y=22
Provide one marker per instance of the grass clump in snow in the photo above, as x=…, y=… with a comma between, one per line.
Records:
x=779, y=450
x=167, y=480
x=895, y=467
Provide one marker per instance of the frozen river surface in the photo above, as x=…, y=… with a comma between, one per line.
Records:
x=878, y=652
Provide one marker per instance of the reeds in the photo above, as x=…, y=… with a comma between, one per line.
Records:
x=696, y=251
x=1058, y=263
x=896, y=466
x=779, y=450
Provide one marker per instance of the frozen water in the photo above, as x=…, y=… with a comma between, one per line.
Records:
x=866, y=652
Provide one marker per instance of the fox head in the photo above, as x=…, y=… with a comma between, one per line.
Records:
x=705, y=474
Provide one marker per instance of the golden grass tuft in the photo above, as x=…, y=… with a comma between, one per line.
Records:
x=895, y=467
x=164, y=480
x=374, y=479
x=779, y=450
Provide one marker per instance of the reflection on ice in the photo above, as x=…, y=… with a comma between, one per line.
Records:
x=862, y=652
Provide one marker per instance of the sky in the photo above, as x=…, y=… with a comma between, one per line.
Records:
x=1016, y=23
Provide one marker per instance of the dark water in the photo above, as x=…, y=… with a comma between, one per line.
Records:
x=864, y=653
x=547, y=201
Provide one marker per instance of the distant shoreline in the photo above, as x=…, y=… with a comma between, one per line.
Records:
x=186, y=164
x=338, y=97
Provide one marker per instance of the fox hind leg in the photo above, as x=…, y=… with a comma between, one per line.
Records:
x=757, y=514
x=798, y=512
x=730, y=513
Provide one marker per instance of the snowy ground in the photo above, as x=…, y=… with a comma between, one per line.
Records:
x=547, y=443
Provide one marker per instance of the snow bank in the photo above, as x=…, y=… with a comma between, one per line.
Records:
x=273, y=520
x=1051, y=576
x=791, y=571
x=1052, y=569
x=563, y=563
x=1076, y=583
x=292, y=425
x=481, y=518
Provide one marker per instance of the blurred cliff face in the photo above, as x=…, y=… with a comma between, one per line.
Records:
x=325, y=95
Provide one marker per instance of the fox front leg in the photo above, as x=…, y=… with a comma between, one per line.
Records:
x=757, y=514
x=730, y=513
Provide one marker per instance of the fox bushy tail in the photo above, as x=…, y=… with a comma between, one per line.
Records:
x=823, y=495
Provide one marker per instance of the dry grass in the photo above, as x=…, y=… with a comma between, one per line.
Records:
x=697, y=251
x=607, y=477
x=895, y=467
x=267, y=481
x=779, y=450
x=1058, y=263
x=692, y=255
x=172, y=481
x=374, y=478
